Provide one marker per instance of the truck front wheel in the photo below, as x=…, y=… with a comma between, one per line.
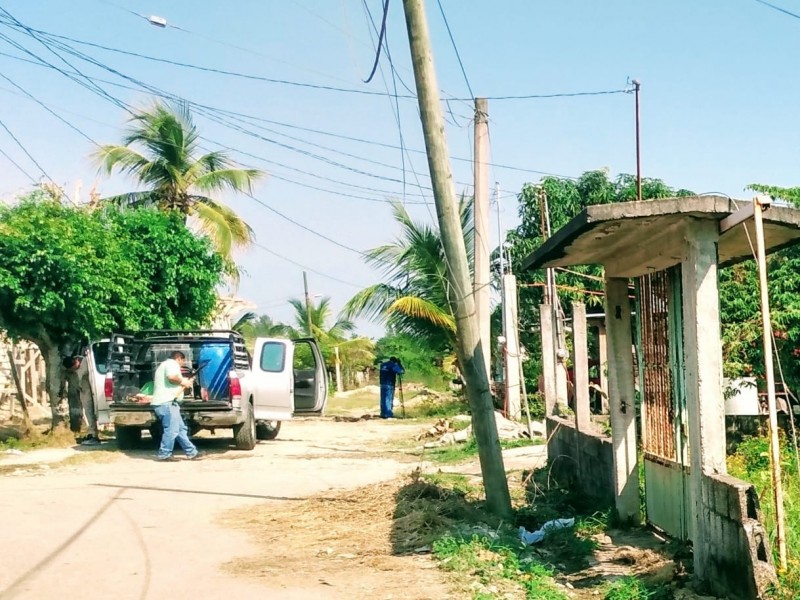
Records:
x=244, y=434
x=127, y=437
x=267, y=430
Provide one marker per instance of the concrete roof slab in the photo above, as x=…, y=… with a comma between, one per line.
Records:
x=639, y=237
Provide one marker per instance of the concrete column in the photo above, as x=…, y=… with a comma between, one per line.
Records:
x=703, y=358
x=621, y=398
x=548, y=358
x=580, y=360
x=602, y=344
x=512, y=373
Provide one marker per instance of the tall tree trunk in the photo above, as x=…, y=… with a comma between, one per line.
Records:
x=53, y=371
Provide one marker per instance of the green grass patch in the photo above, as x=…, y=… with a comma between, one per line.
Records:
x=60, y=437
x=468, y=450
x=500, y=565
x=628, y=588
x=751, y=462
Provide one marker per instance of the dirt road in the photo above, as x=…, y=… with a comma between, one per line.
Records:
x=123, y=526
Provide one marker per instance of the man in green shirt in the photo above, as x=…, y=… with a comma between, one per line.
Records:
x=168, y=386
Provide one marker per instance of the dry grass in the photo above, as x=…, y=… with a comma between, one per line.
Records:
x=355, y=541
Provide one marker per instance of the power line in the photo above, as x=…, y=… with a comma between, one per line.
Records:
x=380, y=41
x=16, y=164
x=301, y=226
x=455, y=47
x=25, y=150
x=48, y=109
x=302, y=266
x=219, y=71
x=295, y=126
x=779, y=9
x=303, y=84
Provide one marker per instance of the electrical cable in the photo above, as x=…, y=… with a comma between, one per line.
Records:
x=25, y=150
x=300, y=127
x=380, y=41
x=16, y=164
x=455, y=48
x=305, y=84
x=779, y=9
x=306, y=268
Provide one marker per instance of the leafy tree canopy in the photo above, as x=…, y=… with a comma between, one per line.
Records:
x=68, y=274
x=741, y=313
x=421, y=362
x=566, y=198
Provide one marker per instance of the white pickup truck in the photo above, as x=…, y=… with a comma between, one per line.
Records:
x=231, y=390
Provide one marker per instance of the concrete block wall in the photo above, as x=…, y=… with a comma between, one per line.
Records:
x=582, y=461
x=737, y=546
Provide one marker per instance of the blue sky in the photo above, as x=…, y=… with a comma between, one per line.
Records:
x=719, y=106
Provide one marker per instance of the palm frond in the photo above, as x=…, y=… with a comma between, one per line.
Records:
x=223, y=226
x=371, y=303
x=130, y=200
x=237, y=180
x=420, y=308
x=127, y=160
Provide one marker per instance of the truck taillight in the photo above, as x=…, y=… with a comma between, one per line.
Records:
x=235, y=385
x=108, y=387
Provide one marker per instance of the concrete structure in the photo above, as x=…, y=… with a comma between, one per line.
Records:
x=637, y=239
x=513, y=364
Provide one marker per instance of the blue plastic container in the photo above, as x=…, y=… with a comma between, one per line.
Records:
x=215, y=362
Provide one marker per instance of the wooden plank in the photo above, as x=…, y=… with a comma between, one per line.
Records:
x=20, y=392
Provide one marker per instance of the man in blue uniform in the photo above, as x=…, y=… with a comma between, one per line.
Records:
x=388, y=376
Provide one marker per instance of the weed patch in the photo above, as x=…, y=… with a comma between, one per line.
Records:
x=60, y=437
x=751, y=463
x=497, y=566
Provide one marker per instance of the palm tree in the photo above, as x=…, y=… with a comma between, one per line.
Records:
x=253, y=326
x=413, y=297
x=354, y=352
x=320, y=315
x=161, y=152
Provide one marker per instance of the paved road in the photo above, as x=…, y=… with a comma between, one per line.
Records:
x=134, y=529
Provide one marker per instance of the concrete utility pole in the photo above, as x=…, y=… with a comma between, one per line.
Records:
x=468, y=344
x=512, y=354
x=481, y=219
x=308, y=305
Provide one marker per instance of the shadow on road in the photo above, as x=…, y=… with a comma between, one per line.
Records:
x=199, y=492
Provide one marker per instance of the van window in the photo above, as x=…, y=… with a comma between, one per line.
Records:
x=100, y=355
x=273, y=356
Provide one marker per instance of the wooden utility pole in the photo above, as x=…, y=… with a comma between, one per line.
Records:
x=481, y=219
x=468, y=344
x=308, y=305
x=775, y=452
x=338, y=370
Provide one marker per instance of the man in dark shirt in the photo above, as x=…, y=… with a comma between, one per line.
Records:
x=388, y=377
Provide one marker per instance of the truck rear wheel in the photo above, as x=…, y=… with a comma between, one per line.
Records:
x=267, y=430
x=244, y=434
x=127, y=437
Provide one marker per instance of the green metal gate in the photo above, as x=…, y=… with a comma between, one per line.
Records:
x=659, y=317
